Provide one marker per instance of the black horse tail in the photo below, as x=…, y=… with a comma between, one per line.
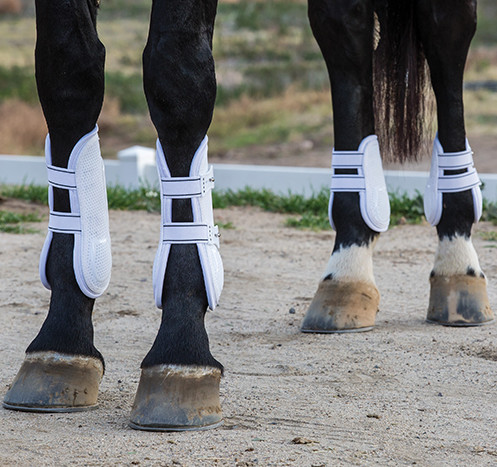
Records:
x=401, y=81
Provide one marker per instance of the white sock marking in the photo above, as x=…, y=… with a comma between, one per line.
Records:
x=351, y=264
x=455, y=256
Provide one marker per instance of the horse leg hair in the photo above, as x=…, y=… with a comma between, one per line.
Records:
x=344, y=32
x=446, y=29
x=62, y=369
x=180, y=86
x=70, y=79
x=179, y=383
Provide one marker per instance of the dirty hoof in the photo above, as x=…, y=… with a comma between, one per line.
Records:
x=459, y=301
x=53, y=382
x=342, y=307
x=177, y=398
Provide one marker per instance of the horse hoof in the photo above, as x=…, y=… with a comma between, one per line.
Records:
x=459, y=301
x=53, y=382
x=342, y=307
x=177, y=398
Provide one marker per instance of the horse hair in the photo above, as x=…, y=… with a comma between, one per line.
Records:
x=402, y=99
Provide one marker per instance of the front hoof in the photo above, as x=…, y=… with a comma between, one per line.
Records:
x=177, y=398
x=459, y=301
x=342, y=307
x=53, y=382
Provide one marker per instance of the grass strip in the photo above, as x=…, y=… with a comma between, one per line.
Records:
x=141, y=199
x=12, y=222
x=31, y=193
x=307, y=212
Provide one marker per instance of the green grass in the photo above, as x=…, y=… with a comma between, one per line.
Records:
x=226, y=225
x=18, y=83
x=489, y=236
x=115, y=9
x=489, y=212
x=307, y=213
x=128, y=90
x=308, y=221
x=313, y=211
x=269, y=201
x=11, y=222
x=141, y=199
x=252, y=15
x=405, y=209
x=31, y=193
x=486, y=32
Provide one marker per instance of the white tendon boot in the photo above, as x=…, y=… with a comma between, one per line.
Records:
x=201, y=232
x=368, y=181
x=443, y=180
x=88, y=220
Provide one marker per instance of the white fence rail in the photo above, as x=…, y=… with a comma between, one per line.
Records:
x=136, y=165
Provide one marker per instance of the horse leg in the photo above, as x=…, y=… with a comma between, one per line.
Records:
x=62, y=369
x=347, y=298
x=179, y=385
x=458, y=295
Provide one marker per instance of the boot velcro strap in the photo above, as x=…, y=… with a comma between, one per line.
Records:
x=348, y=183
x=450, y=172
x=452, y=183
x=347, y=159
x=59, y=177
x=361, y=172
x=190, y=232
x=459, y=182
x=64, y=222
x=188, y=187
x=350, y=161
x=455, y=160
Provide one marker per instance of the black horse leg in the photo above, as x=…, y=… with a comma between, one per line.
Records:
x=63, y=368
x=446, y=28
x=347, y=298
x=180, y=87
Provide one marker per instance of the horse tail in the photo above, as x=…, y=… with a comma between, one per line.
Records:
x=400, y=82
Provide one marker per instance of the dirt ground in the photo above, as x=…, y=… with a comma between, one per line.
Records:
x=406, y=393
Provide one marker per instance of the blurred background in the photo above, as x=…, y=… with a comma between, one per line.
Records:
x=273, y=103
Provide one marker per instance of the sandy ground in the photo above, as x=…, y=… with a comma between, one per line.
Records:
x=406, y=393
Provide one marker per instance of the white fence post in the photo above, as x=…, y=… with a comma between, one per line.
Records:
x=137, y=167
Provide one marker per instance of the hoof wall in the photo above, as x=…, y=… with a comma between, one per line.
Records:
x=52, y=382
x=339, y=307
x=177, y=398
x=459, y=301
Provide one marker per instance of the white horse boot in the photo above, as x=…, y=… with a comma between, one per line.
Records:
x=458, y=287
x=201, y=231
x=88, y=220
x=347, y=298
x=51, y=381
x=181, y=397
x=363, y=174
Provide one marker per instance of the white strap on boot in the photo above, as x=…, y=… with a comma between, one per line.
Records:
x=369, y=182
x=88, y=220
x=201, y=231
x=442, y=181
